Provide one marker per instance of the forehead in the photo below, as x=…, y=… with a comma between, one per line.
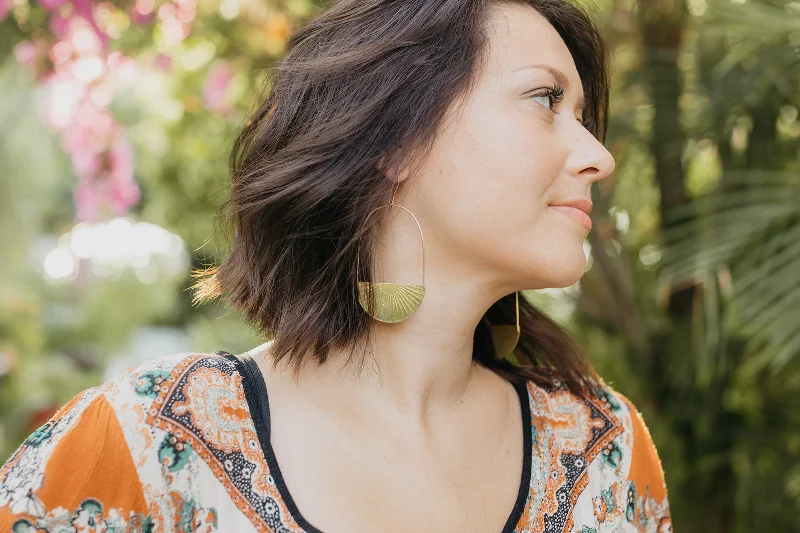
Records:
x=519, y=36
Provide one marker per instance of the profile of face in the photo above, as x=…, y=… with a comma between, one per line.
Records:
x=510, y=149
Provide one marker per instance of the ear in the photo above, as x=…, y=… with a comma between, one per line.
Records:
x=391, y=168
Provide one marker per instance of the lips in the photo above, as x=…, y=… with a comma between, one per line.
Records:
x=577, y=211
x=582, y=204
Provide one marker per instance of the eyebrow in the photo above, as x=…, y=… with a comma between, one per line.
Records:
x=559, y=76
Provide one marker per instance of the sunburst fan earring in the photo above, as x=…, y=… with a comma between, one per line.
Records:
x=506, y=337
x=393, y=302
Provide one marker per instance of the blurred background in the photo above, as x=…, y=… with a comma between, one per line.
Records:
x=118, y=117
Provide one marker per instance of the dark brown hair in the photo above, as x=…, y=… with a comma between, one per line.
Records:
x=369, y=81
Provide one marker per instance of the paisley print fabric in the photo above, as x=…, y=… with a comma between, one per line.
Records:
x=173, y=446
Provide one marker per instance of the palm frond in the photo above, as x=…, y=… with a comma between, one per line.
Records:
x=755, y=233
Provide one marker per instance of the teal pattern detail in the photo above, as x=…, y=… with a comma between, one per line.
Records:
x=41, y=435
x=612, y=454
x=630, y=510
x=608, y=499
x=148, y=383
x=194, y=518
x=173, y=453
x=88, y=518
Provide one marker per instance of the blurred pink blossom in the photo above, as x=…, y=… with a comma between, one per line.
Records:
x=101, y=94
x=25, y=53
x=63, y=96
x=88, y=202
x=185, y=10
x=122, y=70
x=215, y=88
x=112, y=189
x=51, y=5
x=61, y=52
x=144, y=7
x=80, y=81
x=5, y=8
x=175, y=21
x=140, y=19
x=174, y=31
x=142, y=12
x=166, y=11
x=84, y=10
x=59, y=26
x=84, y=37
x=163, y=62
x=91, y=131
x=85, y=164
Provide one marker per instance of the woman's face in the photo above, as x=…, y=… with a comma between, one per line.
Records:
x=502, y=157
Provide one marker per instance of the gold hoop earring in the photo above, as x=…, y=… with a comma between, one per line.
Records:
x=506, y=337
x=393, y=302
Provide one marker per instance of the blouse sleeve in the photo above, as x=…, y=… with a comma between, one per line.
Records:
x=647, y=506
x=75, y=473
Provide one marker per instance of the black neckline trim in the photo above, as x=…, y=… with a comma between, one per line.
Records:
x=255, y=391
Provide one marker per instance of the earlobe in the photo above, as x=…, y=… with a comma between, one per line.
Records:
x=391, y=173
x=391, y=168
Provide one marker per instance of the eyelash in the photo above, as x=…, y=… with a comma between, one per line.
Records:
x=556, y=94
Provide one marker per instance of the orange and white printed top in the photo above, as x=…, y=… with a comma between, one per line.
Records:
x=182, y=443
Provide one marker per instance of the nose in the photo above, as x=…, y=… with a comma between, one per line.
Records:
x=588, y=157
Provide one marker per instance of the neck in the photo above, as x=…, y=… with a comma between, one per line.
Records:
x=413, y=369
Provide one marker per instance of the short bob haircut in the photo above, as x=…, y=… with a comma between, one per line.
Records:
x=366, y=82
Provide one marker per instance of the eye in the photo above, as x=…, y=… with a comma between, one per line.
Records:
x=548, y=96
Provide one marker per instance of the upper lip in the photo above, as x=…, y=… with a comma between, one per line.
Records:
x=578, y=203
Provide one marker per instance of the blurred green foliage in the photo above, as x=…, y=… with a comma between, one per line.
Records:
x=690, y=305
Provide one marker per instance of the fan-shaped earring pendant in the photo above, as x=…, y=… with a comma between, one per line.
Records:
x=393, y=302
x=505, y=339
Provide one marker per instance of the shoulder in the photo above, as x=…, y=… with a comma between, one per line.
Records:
x=153, y=381
x=582, y=425
x=595, y=417
x=192, y=395
x=602, y=456
x=124, y=402
x=121, y=449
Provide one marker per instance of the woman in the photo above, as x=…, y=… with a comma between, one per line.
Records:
x=415, y=164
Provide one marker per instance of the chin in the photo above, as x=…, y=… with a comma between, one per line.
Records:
x=561, y=272
x=568, y=279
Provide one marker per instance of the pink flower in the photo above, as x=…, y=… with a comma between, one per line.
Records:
x=80, y=81
x=215, y=89
x=142, y=12
x=59, y=26
x=5, y=7
x=185, y=10
x=107, y=187
x=123, y=70
x=88, y=202
x=120, y=161
x=163, y=62
x=51, y=5
x=63, y=95
x=86, y=164
x=123, y=195
x=84, y=10
x=141, y=19
x=25, y=53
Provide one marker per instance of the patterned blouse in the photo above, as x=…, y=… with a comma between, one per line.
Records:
x=181, y=443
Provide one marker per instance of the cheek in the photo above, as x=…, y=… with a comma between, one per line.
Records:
x=503, y=157
x=488, y=183
x=488, y=204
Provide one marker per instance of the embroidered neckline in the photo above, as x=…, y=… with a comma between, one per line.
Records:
x=255, y=391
